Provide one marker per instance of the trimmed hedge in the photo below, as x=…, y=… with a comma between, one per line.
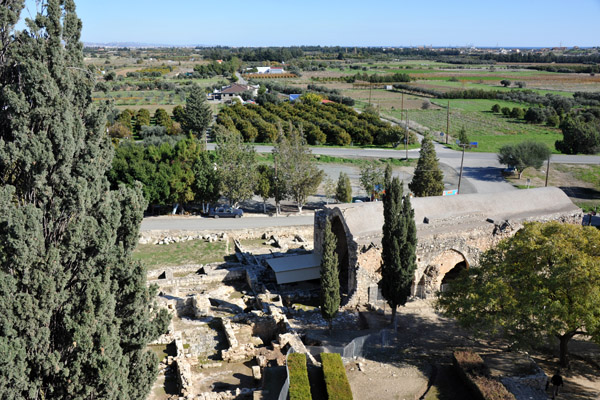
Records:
x=299, y=384
x=477, y=376
x=338, y=387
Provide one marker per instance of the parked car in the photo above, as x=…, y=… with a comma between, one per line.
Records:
x=225, y=212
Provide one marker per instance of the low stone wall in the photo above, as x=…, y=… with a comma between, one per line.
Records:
x=154, y=237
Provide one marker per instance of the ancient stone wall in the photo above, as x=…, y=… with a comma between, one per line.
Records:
x=441, y=247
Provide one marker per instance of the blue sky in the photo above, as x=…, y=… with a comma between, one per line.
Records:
x=501, y=23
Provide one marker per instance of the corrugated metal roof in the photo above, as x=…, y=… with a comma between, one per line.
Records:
x=296, y=268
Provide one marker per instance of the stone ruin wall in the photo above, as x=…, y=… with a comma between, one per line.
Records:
x=438, y=252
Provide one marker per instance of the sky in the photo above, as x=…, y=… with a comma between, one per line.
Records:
x=481, y=23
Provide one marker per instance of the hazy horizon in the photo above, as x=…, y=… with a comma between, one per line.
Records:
x=350, y=23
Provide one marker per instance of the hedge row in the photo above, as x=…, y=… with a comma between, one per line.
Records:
x=477, y=376
x=338, y=387
x=299, y=384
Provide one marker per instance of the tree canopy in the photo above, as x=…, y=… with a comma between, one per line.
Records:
x=523, y=155
x=235, y=161
x=543, y=282
x=428, y=177
x=398, y=245
x=197, y=114
x=76, y=312
x=330, y=281
x=297, y=167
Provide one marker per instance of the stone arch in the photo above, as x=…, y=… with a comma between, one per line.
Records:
x=450, y=262
x=338, y=229
x=440, y=270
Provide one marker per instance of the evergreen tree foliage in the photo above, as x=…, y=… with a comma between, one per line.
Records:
x=428, y=177
x=142, y=118
x=540, y=284
x=330, y=283
x=197, y=114
x=343, y=191
x=462, y=136
x=264, y=183
x=371, y=176
x=76, y=312
x=523, y=155
x=236, y=164
x=297, y=168
x=399, y=245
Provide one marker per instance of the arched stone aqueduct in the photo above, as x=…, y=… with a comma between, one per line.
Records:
x=452, y=234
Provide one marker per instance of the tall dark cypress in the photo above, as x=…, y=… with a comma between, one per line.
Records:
x=330, y=284
x=398, y=246
x=76, y=312
x=428, y=179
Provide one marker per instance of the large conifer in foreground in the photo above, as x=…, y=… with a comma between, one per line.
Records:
x=398, y=245
x=428, y=177
x=330, y=283
x=76, y=312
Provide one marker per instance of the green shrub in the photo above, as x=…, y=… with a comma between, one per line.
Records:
x=477, y=376
x=299, y=384
x=336, y=380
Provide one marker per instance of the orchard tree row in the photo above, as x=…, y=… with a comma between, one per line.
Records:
x=329, y=123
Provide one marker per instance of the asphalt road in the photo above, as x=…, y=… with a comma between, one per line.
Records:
x=169, y=222
x=480, y=170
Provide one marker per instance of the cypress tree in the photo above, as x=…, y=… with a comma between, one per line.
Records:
x=392, y=242
x=343, y=191
x=330, y=283
x=197, y=114
x=76, y=312
x=428, y=177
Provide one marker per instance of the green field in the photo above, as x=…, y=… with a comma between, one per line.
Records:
x=190, y=252
x=490, y=130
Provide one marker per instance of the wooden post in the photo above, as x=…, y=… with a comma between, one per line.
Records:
x=448, y=122
x=461, y=168
x=547, y=171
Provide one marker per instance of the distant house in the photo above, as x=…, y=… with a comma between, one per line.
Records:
x=269, y=70
x=231, y=91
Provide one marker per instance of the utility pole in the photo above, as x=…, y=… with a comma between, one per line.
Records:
x=461, y=166
x=448, y=121
x=547, y=171
x=406, y=136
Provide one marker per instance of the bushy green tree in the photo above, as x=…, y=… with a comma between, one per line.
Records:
x=428, y=177
x=330, y=281
x=76, y=312
x=462, y=136
x=297, y=168
x=371, y=177
x=207, y=183
x=179, y=113
x=517, y=113
x=198, y=115
x=125, y=119
x=343, y=190
x=236, y=164
x=496, y=108
x=264, y=183
x=541, y=283
x=581, y=134
x=505, y=82
x=398, y=246
x=523, y=155
x=161, y=118
x=142, y=118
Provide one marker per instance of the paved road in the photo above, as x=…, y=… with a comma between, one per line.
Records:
x=481, y=170
x=222, y=224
